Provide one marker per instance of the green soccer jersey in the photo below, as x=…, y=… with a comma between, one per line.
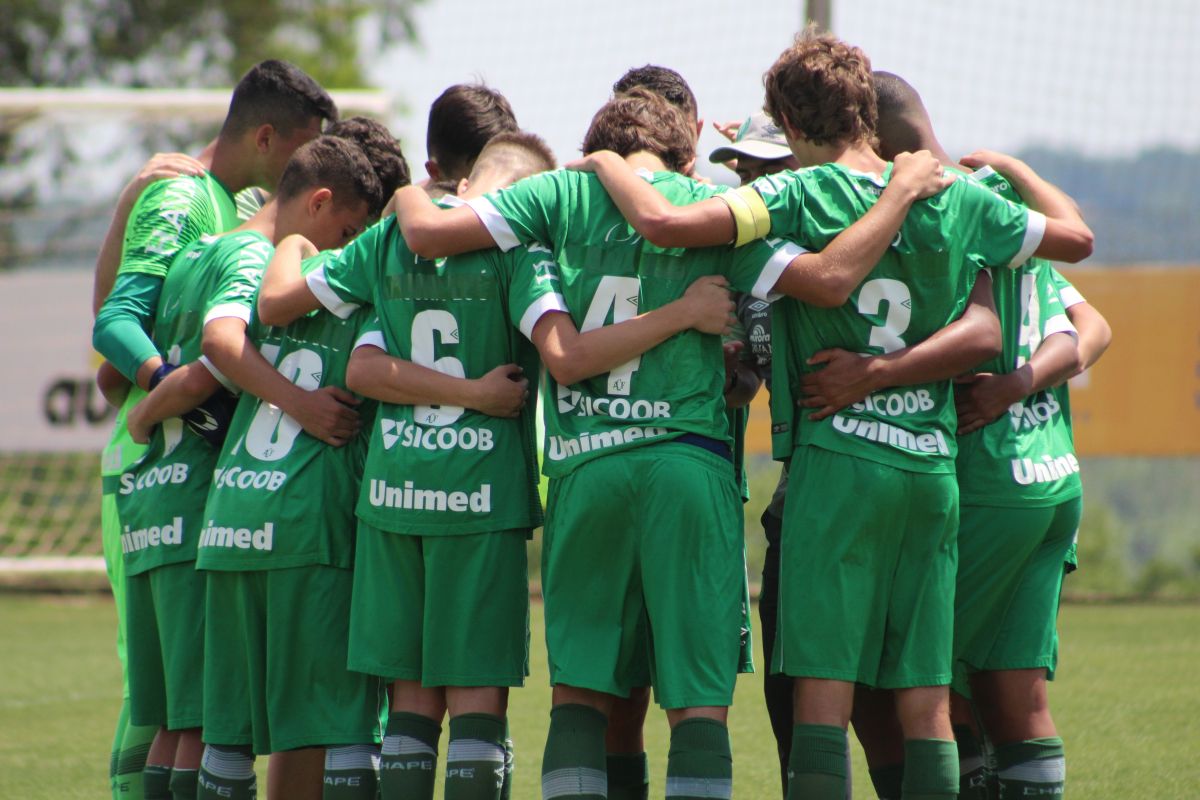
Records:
x=281, y=498
x=1027, y=457
x=161, y=497
x=169, y=215
x=610, y=274
x=443, y=470
x=920, y=285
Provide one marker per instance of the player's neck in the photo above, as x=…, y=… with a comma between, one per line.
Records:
x=264, y=221
x=228, y=165
x=858, y=156
x=647, y=161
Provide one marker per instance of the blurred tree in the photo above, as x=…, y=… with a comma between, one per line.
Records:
x=153, y=43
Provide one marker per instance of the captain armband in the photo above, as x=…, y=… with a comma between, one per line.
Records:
x=750, y=216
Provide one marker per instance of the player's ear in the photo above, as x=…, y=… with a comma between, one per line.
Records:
x=318, y=200
x=699, y=128
x=462, y=186
x=433, y=171
x=264, y=135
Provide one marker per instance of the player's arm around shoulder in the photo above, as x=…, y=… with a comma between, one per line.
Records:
x=827, y=278
x=434, y=232
x=706, y=223
x=284, y=295
x=183, y=389
x=1066, y=237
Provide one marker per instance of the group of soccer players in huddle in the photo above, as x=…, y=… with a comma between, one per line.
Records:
x=325, y=470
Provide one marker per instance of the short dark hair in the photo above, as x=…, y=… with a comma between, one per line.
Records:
x=642, y=120
x=379, y=146
x=461, y=121
x=334, y=163
x=822, y=88
x=901, y=115
x=520, y=153
x=663, y=81
x=279, y=94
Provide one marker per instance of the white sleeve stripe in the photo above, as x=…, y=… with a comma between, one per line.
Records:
x=225, y=310
x=1070, y=296
x=538, y=309
x=216, y=373
x=327, y=296
x=495, y=222
x=1035, y=229
x=1059, y=323
x=371, y=339
x=773, y=269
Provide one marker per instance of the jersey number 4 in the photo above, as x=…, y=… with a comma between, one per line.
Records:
x=615, y=300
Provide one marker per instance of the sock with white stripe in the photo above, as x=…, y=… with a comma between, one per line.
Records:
x=628, y=776
x=817, y=764
x=972, y=765
x=930, y=769
x=351, y=772
x=184, y=783
x=475, y=757
x=156, y=782
x=699, y=763
x=573, y=764
x=227, y=773
x=1032, y=768
x=408, y=762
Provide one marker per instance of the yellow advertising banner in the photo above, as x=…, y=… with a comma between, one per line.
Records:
x=1143, y=397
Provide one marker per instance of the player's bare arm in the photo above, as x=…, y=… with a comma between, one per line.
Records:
x=326, y=413
x=741, y=381
x=1095, y=335
x=160, y=167
x=434, y=232
x=284, y=295
x=571, y=356
x=179, y=392
x=113, y=386
x=711, y=222
x=372, y=372
x=982, y=398
x=1067, y=237
x=849, y=377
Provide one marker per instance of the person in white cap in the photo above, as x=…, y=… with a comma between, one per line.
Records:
x=758, y=148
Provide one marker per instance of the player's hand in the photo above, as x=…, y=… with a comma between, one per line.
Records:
x=162, y=166
x=210, y=420
x=328, y=414
x=592, y=161
x=135, y=422
x=920, y=173
x=845, y=379
x=1001, y=162
x=299, y=242
x=732, y=352
x=728, y=129
x=982, y=398
x=502, y=392
x=709, y=305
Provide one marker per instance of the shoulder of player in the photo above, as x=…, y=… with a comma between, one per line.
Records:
x=179, y=193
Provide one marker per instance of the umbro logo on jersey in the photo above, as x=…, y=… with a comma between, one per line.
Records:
x=759, y=306
x=622, y=233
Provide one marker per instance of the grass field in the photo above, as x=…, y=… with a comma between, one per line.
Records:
x=1126, y=702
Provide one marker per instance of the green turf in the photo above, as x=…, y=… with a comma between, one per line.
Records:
x=1126, y=703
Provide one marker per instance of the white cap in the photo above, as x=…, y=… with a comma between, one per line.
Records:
x=759, y=137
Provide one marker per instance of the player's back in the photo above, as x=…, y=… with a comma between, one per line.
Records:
x=610, y=274
x=920, y=285
x=444, y=468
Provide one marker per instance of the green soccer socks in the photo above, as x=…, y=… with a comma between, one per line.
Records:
x=227, y=773
x=351, y=772
x=408, y=763
x=699, y=763
x=1032, y=768
x=573, y=765
x=475, y=757
x=930, y=769
x=817, y=765
x=628, y=776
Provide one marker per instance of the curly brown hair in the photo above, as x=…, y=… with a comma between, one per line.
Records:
x=640, y=120
x=822, y=88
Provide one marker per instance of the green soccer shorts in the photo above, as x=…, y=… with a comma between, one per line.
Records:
x=867, y=570
x=275, y=674
x=164, y=619
x=443, y=610
x=1010, y=573
x=643, y=563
